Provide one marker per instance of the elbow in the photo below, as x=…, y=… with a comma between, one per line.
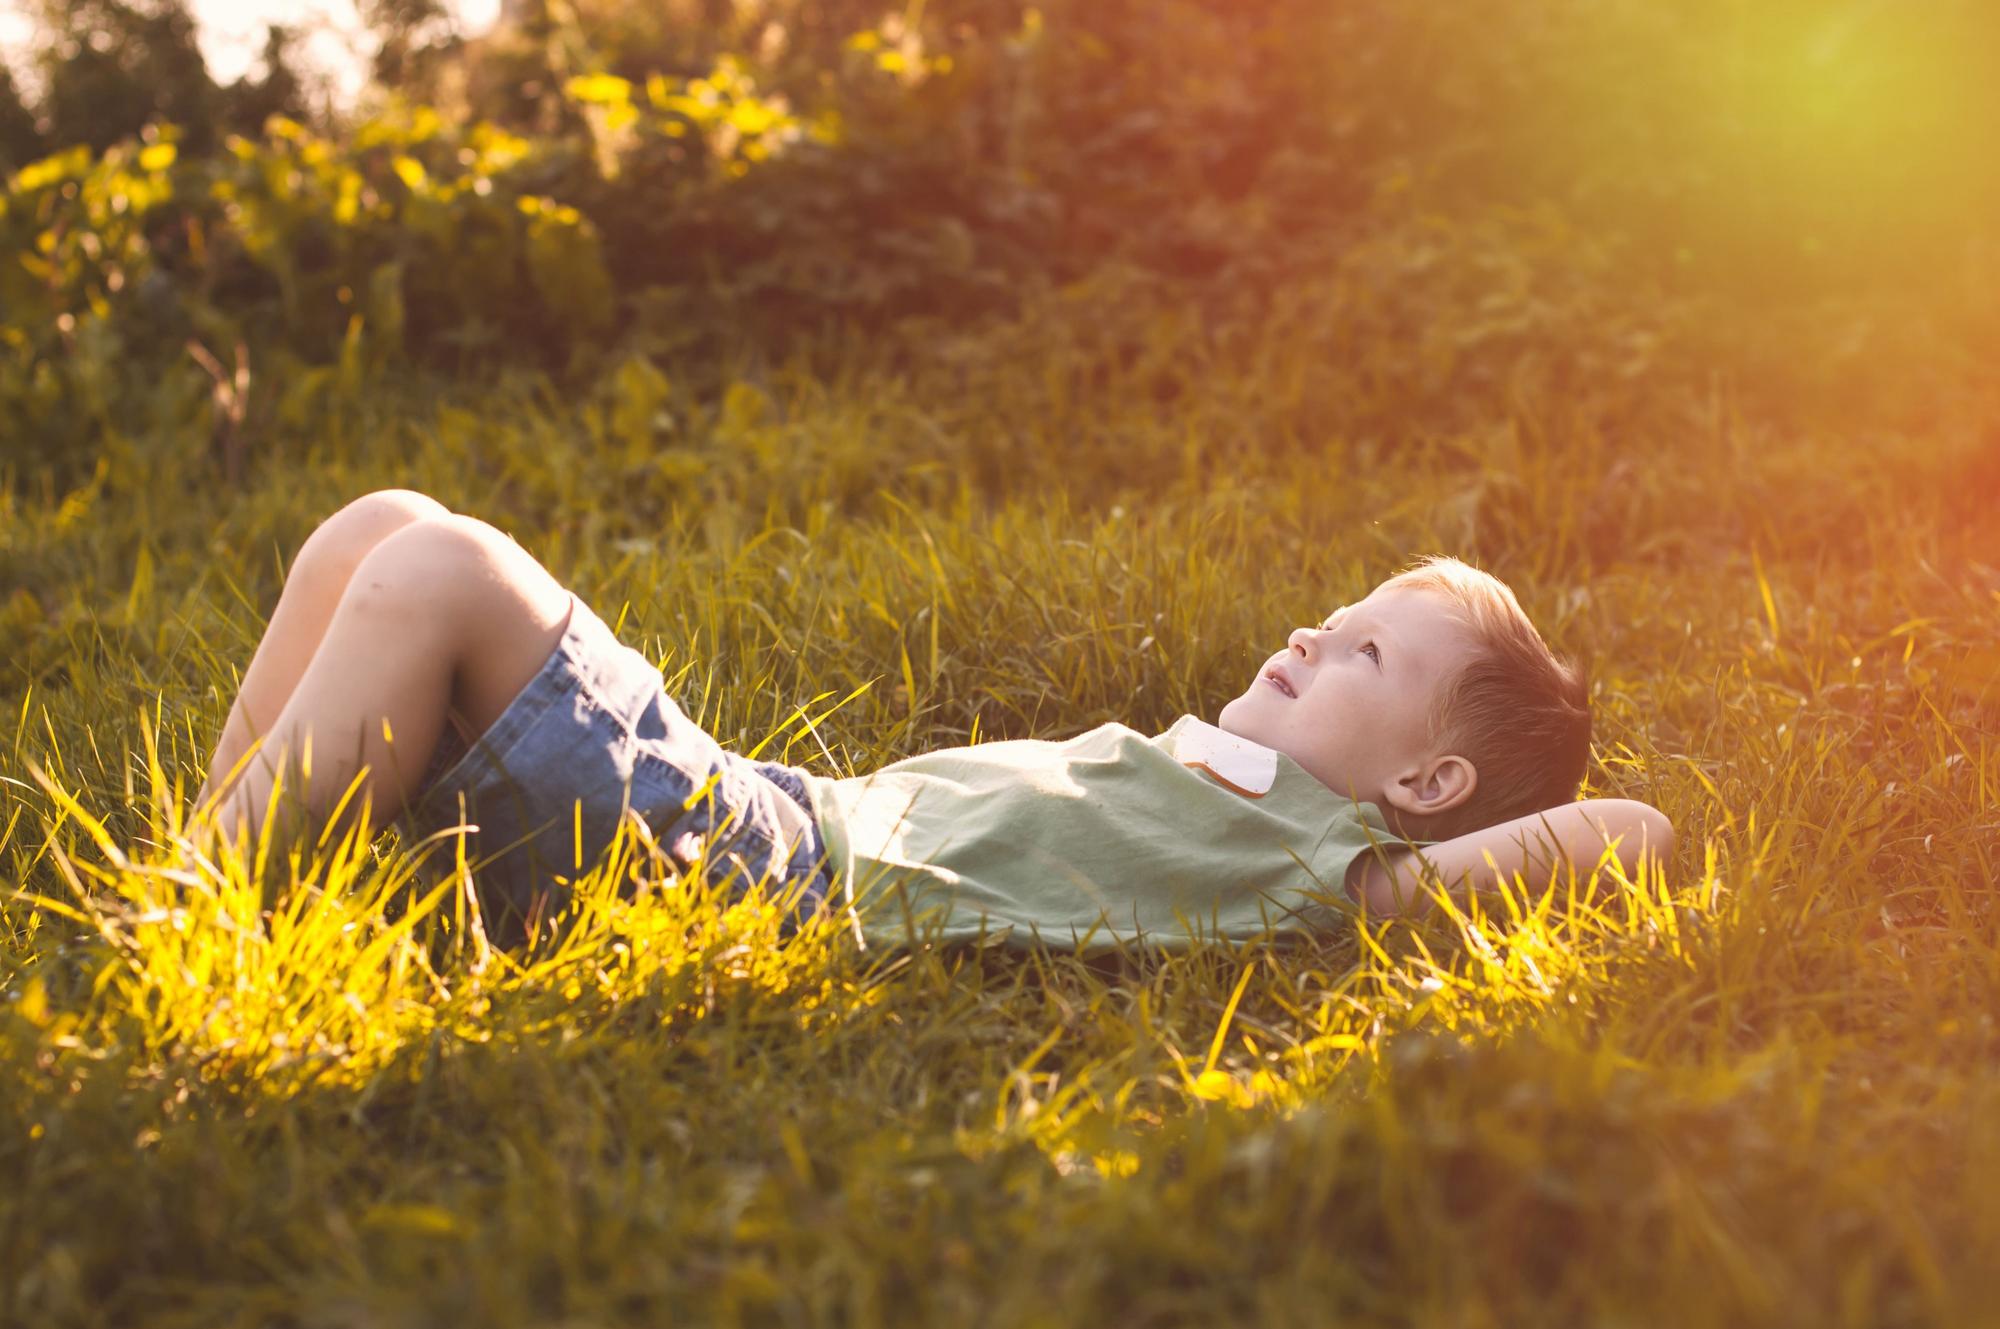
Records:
x=1650, y=833
x=1659, y=832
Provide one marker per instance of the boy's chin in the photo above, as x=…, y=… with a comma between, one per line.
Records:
x=1239, y=718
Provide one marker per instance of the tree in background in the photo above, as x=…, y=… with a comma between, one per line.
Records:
x=20, y=140
x=109, y=67
x=247, y=104
x=414, y=39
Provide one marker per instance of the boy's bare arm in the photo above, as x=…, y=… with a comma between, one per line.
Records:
x=1578, y=832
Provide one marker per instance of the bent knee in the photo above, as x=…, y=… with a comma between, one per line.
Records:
x=430, y=551
x=453, y=567
x=340, y=542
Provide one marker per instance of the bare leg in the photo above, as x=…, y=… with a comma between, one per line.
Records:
x=446, y=612
x=318, y=577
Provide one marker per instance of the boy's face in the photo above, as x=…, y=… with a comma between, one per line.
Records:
x=1349, y=701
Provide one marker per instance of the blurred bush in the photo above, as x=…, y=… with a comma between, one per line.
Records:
x=605, y=178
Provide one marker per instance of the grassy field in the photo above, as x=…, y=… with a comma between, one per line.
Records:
x=1761, y=1089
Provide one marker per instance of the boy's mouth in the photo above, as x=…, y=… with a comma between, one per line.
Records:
x=1276, y=678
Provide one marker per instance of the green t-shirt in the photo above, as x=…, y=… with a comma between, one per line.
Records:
x=1093, y=841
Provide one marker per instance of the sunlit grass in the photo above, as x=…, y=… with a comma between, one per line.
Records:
x=300, y=1085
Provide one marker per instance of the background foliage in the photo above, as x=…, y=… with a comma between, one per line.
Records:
x=1023, y=368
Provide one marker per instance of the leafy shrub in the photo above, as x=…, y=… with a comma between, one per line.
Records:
x=913, y=179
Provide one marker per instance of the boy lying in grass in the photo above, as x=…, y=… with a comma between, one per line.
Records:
x=1430, y=715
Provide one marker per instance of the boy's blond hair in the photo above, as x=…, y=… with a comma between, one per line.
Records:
x=1517, y=711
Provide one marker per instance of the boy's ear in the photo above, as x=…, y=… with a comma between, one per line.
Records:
x=1438, y=784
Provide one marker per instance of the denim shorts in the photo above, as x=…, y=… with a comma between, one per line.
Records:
x=539, y=796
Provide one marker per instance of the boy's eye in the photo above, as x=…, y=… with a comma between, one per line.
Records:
x=1370, y=648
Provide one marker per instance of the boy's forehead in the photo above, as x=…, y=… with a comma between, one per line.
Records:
x=1409, y=608
x=1408, y=601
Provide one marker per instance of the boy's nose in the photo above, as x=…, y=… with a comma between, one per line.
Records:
x=1305, y=641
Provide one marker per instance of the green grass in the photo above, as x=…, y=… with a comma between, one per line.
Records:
x=1759, y=1089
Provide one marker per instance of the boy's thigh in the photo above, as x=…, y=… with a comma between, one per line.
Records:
x=590, y=737
x=502, y=611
